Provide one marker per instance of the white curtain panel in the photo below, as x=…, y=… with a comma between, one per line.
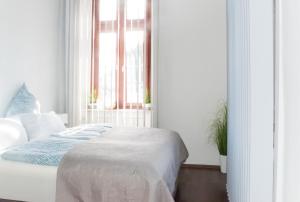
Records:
x=102, y=105
x=78, y=54
x=250, y=101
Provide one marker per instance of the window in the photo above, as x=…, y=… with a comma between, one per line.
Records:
x=121, y=59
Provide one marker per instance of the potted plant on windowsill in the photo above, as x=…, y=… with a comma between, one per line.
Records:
x=93, y=99
x=147, y=100
x=219, y=129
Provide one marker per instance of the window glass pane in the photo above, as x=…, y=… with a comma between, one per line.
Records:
x=136, y=9
x=134, y=43
x=107, y=70
x=108, y=10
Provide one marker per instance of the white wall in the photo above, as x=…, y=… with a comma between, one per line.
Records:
x=288, y=101
x=30, y=51
x=191, y=71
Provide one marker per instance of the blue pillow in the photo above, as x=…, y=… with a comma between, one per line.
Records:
x=23, y=102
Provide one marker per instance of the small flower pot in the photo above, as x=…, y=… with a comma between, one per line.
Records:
x=92, y=106
x=148, y=106
x=223, y=160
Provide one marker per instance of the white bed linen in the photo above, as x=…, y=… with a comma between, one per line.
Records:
x=27, y=182
x=35, y=183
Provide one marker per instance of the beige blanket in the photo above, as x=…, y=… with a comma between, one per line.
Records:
x=123, y=165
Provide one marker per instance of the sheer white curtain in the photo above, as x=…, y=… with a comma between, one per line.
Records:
x=109, y=62
x=78, y=54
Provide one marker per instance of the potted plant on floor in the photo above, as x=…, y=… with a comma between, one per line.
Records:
x=219, y=129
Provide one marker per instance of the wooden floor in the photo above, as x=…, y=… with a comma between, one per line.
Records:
x=199, y=185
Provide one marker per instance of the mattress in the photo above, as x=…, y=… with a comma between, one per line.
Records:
x=35, y=182
x=27, y=182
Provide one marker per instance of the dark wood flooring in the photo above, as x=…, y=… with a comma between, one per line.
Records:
x=205, y=184
x=197, y=184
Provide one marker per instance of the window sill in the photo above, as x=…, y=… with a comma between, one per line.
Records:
x=94, y=107
x=116, y=110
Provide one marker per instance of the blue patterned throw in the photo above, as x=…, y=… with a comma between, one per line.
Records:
x=49, y=151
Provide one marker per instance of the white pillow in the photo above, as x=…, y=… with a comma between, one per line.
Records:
x=11, y=133
x=41, y=125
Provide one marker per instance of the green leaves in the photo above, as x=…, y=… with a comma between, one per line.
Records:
x=147, y=97
x=219, y=128
x=93, y=96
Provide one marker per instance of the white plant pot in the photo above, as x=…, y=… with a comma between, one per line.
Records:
x=92, y=106
x=223, y=160
x=148, y=106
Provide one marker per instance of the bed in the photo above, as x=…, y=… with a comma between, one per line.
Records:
x=27, y=182
x=146, y=169
x=42, y=161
